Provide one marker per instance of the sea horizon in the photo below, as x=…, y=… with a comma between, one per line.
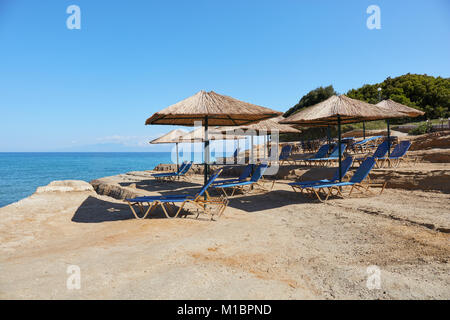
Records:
x=23, y=172
x=84, y=151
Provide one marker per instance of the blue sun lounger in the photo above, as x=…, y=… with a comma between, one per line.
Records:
x=254, y=181
x=321, y=153
x=184, y=168
x=246, y=173
x=380, y=152
x=164, y=174
x=285, y=154
x=346, y=164
x=355, y=183
x=363, y=144
x=398, y=154
x=236, y=153
x=334, y=155
x=167, y=203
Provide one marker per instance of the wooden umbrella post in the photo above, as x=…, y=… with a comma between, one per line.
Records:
x=329, y=134
x=224, y=152
x=364, y=130
x=339, y=146
x=178, y=165
x=265, y=147
x=389, y=137
x=236, y=148
x=251, y=149
x=206, y=152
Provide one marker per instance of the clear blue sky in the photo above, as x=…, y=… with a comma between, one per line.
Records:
x=62, y=89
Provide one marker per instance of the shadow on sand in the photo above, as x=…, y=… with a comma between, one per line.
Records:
x=254, y=202
x=94, y=210
x=165, y=188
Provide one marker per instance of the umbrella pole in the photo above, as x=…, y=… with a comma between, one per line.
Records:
x=224, y=151
x=206, y=151
x=178, y=166
x=236, y=148
x=251, y=152
x=389, y=137
x=329, y=134
x=364, y=130
x=339, y=146
x=265, y=146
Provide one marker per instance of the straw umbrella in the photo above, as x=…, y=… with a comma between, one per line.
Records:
x=338, y=110
x=198, y=135
x=262, y=126
x=211, y=109
x=392, y=106
x=266, y=125
x=171, y=137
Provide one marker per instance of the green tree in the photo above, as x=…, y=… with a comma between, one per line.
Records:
x=311, y=98
x=423, y=92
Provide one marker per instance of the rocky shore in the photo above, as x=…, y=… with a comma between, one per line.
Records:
x=277, y=245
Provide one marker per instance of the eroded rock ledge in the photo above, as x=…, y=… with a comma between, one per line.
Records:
x=411, y=176
x=66, y=186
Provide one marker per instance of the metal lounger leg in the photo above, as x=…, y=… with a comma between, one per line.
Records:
x=176, y=214
x=141, y=209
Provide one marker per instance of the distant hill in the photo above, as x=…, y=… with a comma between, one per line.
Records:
x=423, y=92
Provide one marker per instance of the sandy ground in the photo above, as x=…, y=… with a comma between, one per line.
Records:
x=277, y=245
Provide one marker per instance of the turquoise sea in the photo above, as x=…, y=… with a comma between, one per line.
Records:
x=22, y=173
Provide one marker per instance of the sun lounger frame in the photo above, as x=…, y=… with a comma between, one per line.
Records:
x=397, y=155
x=346, y=164
x=245, y=186
x=335, y=188
x=200, y=201
x=326, y=161
x=171, y=176
x=286, y=155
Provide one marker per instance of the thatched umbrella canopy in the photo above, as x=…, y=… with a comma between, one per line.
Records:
x=262, y=126
x=338, y=110
x=171, y=137
x=198, y=135
x=211, y=109
x=392, y=106
x=220, y=110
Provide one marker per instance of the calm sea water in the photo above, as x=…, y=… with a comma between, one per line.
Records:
x=22, y=173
